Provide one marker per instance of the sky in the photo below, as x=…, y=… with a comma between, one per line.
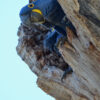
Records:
x=17, y=82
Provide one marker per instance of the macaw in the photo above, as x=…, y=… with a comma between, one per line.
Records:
x=49, y=13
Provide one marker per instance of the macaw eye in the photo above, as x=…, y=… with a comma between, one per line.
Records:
x=31, y=5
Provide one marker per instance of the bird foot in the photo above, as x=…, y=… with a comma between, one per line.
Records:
x=53, y=39
x=60, y=41
x=66, y=72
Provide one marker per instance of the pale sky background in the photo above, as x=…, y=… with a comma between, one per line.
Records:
x=17, y=82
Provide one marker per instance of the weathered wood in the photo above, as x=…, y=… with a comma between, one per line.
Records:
x=82, y=53
x=86, y=58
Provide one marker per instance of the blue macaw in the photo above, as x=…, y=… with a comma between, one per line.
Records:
x=41, y=11
x=45, y=11
x=49, y=13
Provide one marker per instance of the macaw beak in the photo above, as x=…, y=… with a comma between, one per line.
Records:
x=37, y=18
x=25, y=16
x=30, y=17
x=25, y=19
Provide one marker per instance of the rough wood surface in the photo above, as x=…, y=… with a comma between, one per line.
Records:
x=83, y=54
x=84, y=14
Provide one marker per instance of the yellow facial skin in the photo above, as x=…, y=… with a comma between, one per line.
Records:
x=31, y=5
x=39, y=12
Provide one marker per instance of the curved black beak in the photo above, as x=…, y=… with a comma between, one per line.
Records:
x=36, y=18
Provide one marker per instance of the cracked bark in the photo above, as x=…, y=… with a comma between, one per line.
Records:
x=82, y=53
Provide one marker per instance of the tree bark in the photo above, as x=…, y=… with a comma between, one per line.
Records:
x=82, y=53
x=85, y=60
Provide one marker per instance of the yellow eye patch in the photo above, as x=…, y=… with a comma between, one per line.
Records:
x=37, y=11
x=31, y=5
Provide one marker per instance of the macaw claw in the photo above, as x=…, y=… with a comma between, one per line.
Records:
x=60, y=41
x=53, y=39
x=66, y=72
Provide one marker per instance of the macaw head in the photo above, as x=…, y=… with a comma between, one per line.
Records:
x=29, y=15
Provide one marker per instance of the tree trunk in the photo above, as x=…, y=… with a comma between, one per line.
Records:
x=82, y=53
